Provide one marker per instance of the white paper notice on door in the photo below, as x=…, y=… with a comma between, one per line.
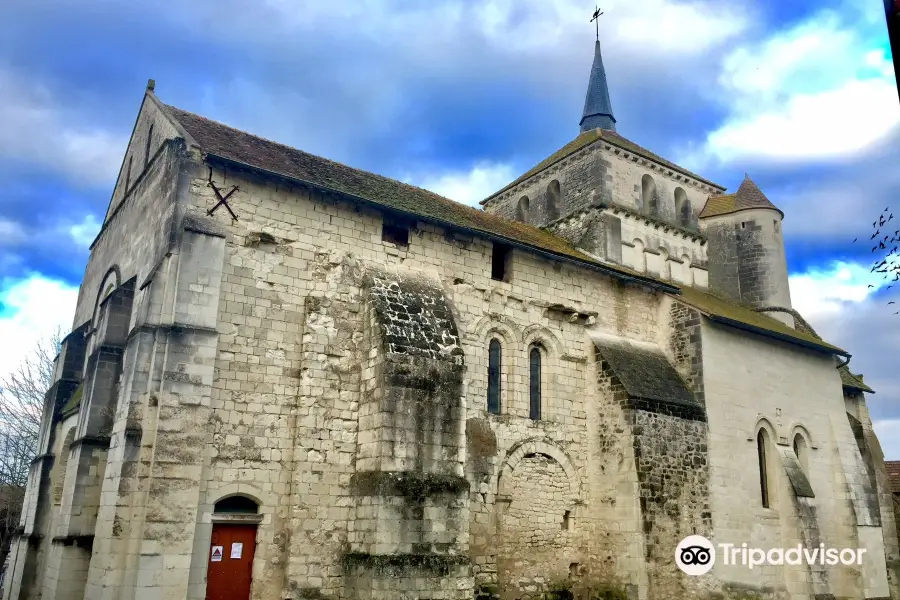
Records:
x=216, y=554
x=237, y=549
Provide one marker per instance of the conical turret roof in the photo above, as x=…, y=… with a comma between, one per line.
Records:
x=748, y=195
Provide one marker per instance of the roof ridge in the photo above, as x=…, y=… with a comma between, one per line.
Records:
x=316, y=156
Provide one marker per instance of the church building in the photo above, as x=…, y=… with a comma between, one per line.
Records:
x=291, y=379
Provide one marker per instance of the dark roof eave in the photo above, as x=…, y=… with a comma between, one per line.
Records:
x=511, y=242
x=866, y=390
x=778, y=336
x=742, y=209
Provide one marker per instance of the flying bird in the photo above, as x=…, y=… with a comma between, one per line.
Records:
x=891, y=302
x=871, y=286
x=854, y=240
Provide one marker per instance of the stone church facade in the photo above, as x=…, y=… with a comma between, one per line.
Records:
x=390, y=395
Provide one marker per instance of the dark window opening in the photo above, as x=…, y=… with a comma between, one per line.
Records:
x=494, y=357
x=763, y=471
x=743, y=224
x=500, y=262
x=395, y=232
x=535, y=384
x=236, y=505
x=567, y=521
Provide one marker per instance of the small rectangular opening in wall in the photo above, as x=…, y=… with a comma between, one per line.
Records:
x=567, y=521
x=743, y=224
x=500, y=257
x=395, y=231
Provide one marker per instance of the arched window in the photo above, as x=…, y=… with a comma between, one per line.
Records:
x=553, y=196
x=522, y=209
x=148, y=146
x=493, y=392
x=683, y=207
x=763, y=467
x=801, y=449
x=241, y=505
x=649, y=201
x=534, y=383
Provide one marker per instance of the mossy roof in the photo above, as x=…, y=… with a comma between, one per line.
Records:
x=853, y=382
x=644, y=371
x=748, y=195
x=222, y=141
x=589, y=137
x=728, y=312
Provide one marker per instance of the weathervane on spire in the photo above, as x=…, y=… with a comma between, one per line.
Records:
x=596, y=20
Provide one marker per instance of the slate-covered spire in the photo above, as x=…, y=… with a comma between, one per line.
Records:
x=597, y=107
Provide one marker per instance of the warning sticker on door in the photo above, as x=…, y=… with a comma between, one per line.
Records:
x=236, y=549
x=216, y=554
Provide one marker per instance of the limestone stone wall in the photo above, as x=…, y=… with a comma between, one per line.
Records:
x=747, y=260
x=628, y=169
x=291, y=246
x=752, y=383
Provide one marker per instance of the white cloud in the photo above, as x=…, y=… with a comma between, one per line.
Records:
x=468, y=187
x=31, y=309
x=822, y=89
x=36, y=127
x=85, y=232
x=825, y=292
x=839, y=304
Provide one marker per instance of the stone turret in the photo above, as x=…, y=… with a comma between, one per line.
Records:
x=746, y=249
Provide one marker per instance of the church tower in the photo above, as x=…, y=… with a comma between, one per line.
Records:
x=747, y=260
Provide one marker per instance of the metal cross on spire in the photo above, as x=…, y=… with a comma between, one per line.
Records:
x=596, y=20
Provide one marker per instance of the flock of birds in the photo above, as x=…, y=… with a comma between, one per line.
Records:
x=890, y=265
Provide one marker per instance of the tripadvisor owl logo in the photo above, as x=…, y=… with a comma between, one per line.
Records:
x=695, y=555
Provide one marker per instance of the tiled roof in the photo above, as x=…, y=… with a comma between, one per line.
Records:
x=728, y=312
x=893, y=472
x=853, y=382
x=588, y=137
x=249, y=150
x=747, y=196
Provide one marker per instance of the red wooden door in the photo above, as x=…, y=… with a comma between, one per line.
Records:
x=230, y=565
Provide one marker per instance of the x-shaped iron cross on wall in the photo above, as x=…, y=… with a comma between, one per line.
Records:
x=223, y=200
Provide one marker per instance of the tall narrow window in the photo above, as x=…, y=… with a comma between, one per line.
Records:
x=522, y=209
x=683, y=207
x=649, y=199
x=534, y=384
x=802, y=455
x=553, y=197
x=494, y=357
x=148, y=146
x=763, y=471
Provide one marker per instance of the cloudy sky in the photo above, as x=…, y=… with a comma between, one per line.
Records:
x=461, y=96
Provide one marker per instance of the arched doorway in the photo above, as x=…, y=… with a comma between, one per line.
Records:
x=229, y=572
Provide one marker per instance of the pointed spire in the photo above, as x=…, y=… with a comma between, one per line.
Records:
x=597, y=107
